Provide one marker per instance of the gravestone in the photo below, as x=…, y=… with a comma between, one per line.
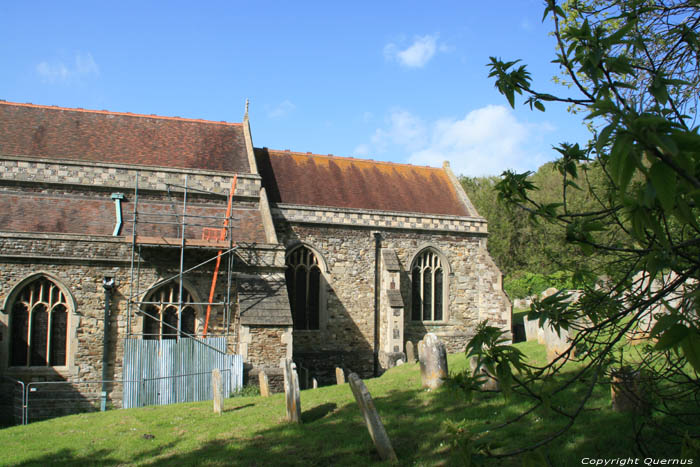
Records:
x=374, y=423
x=533, y=331
x=314, y=383
x=490, y=381
x=339, y=375
x=410, y=352
x=433, y=362
x=626, y=391
x=217, y=385
x=264, y=384
x=291, y=392
x=556, y=342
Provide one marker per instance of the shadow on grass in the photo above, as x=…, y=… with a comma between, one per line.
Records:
x=233, y=409
x=67, y=457
x=320, y=411
x=335, y=434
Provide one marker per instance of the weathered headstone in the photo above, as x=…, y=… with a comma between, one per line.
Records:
x=217, y=385
x=264, y=384
x=533, y=331
x=410, y=352
x=314, y=383
x=339, y=375
x=374, y=423
x=490, y=382
x=626, y=392
x=556, y=342
x=291, y=392
x=433, y=362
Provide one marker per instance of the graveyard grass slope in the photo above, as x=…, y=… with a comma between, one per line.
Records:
x=252, y=430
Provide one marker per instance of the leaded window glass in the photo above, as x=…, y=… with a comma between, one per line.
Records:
x=427, y=287
x=162, y=311
x=304, y=287
x=39, y=326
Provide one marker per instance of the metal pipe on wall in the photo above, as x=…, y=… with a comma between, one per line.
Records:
x=108, y=285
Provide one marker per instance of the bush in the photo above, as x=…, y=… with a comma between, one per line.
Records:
x=525, y=284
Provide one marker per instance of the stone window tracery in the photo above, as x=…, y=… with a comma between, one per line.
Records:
x=39, y=325
x=162, y=311
x=303, y=276
x=427, y=287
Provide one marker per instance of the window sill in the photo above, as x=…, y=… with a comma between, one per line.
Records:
x=429, y=323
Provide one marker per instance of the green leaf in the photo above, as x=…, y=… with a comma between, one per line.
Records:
x=664, y=322
x=663, y=178
x=539, y=106
x=691, y=349
x=604, y=136
x=672, y=337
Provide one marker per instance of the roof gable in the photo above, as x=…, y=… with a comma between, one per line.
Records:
x=315, y=180
x=121, y=138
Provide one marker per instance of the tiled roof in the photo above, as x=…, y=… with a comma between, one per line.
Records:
x=121, y=138
x=316, y=180
x=95, y=215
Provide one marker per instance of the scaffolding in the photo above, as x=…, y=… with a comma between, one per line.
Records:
x=216, y=235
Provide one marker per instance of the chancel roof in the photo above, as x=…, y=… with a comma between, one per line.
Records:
x=344, y=182
x=121, y=138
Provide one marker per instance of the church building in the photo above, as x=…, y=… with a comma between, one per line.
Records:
x=120, y=228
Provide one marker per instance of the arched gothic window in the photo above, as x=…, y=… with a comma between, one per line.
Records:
x=427, y=287
x=304, y=287
x=39, y=325
x=161, y=312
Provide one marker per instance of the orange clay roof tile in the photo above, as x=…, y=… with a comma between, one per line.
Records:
x=121, y=138
x=344, y=182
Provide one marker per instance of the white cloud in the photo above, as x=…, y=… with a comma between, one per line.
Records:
x=57, y=71
x=416, y=55
x=486, y=141
x=403, y=129
x=284, y=108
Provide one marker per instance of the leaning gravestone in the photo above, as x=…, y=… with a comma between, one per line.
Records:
x=371, y=416
x=410, y=352
x=217, y=385
x=433, y=362
x=339, y=375
x=264, y=384
x=490, y=382
x=291, y=392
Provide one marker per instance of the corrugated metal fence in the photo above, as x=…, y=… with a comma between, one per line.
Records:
x=170, y=371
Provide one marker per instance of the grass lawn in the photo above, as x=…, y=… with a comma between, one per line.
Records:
x=253, y=431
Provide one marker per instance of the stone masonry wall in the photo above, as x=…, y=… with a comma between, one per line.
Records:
x=348, y=334
x=80, y=264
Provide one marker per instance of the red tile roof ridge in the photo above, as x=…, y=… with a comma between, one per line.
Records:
x=126, y=114
x=331, y=156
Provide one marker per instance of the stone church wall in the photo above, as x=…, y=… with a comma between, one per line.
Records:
x=346, y=337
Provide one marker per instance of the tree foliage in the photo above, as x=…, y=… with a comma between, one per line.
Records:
x=633, y=69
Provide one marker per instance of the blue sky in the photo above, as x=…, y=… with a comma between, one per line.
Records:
x=397, y=81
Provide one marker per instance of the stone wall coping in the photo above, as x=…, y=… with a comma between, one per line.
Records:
x=283, y=206
x=142, y=168
x=111, y=239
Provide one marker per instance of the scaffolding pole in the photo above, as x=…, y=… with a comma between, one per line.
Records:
x=138, y=298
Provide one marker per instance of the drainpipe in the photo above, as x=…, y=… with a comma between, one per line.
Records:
x=377, y=248
x=118, y=197
x=108, y=285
